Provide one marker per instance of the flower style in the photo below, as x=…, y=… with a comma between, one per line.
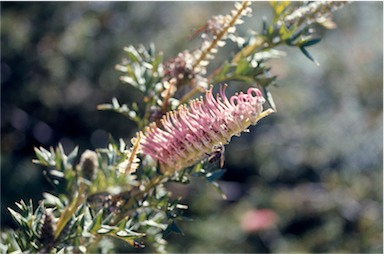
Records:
x=190, y=133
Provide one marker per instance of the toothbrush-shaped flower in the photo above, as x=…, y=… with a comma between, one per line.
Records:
x=189, y=133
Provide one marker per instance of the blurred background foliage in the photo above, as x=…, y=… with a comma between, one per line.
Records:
x=306, y=179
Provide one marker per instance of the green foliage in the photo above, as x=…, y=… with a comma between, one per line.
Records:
x=122, y=109
x=59, y=167
x=141, y=67
x=29, y=222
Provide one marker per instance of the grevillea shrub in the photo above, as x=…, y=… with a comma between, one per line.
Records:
x=119, y=191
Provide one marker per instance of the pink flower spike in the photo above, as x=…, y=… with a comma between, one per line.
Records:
x=190, y=133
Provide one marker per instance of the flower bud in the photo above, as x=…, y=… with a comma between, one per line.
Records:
x=88, y=165
x=47, y=233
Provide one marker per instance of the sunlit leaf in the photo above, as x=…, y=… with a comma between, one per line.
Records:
x=132, y=54
x=72, y=155
x=154, y=224
x=105, y=229
x=16, y=216
x=96, y=223
x=122, y=224
x=128, y=236
x=279, y=6
x=37, y=218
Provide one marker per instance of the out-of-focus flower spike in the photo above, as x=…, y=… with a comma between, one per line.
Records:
x=314, y=12
x=132, y=162
x=238, y=6
x=221, y=43
x=217, y=29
